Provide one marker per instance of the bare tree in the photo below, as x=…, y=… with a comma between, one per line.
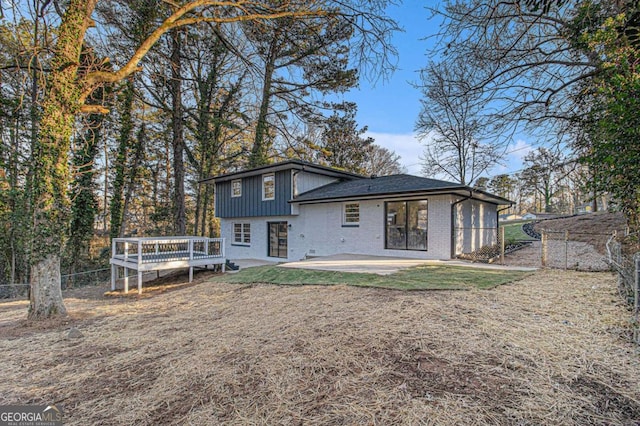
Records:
x=460, y=143
x=524, y=55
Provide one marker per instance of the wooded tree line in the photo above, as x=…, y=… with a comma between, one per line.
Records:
x=564, y=71
x=550, y=181
x=112, y=111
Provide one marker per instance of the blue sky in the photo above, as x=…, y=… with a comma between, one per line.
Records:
x=390, y=108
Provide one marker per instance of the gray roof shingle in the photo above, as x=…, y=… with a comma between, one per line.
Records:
x=394, y=184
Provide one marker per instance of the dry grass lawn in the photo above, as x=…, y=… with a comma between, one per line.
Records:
x=551, y=349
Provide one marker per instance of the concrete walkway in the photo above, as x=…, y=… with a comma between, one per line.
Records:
x=383, y=265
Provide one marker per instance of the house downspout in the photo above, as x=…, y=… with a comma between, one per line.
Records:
x=294, y=183
x=453, y=206
x=501, y=210
x=294, y=187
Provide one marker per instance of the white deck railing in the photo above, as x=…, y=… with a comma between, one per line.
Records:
x=158, y=253
x=166, y=248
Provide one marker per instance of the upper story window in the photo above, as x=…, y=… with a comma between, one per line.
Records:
x=236, y=188
x=268, y=187
x=351, y=214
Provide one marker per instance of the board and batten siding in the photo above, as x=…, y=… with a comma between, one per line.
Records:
x=250, y=203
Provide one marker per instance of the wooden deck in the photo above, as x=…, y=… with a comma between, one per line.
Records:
x=161, y=253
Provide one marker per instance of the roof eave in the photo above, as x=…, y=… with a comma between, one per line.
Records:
x=460, y=190
x=284, y=165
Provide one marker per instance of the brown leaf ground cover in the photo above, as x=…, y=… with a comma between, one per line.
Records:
x=586, y=249
x=594, y=229
x=550, y=349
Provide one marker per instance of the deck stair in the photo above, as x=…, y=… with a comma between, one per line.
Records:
x=232, y=266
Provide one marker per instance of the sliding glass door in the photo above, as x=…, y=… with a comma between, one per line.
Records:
x=396, y=215
x=417, y=225
x=406, y=227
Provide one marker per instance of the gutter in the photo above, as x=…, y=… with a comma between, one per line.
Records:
x=395, y=195
x=453, y=205
x=456, y=190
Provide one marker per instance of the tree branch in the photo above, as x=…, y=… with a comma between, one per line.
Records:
x=177, y=19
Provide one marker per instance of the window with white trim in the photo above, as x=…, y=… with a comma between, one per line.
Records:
x=236, y=188
x=268, y=187
x=351, y=214
x=242, y=233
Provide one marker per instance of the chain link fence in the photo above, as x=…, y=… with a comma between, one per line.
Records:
x=85, y=278
x=14, y=291
x=67, y=281
x=573, y=250
x=493, y=246
x=477, y=244
x=623, y=253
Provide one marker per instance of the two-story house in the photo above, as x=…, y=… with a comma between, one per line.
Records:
x=295, y=209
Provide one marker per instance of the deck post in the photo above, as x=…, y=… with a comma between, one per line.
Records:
x=126, y=279
x=114, y=271
x=139, y=266
x=126, y=251
x=190, y=259
x=224, y=257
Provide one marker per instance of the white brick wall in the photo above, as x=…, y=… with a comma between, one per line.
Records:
x=318, y=231
x=258, y=248
x=325, y=234
x=476, y=226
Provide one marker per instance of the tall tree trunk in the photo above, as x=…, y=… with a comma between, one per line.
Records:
x=84, y=205
x=50, y=205
x=179, y=212
x=134, y=167
x=34, y=112
x=260, y=149
x=16, y=207
x=105, y=199
x=208, y=142
x=124, y=143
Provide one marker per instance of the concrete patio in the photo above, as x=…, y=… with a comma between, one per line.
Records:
x=381, y=265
